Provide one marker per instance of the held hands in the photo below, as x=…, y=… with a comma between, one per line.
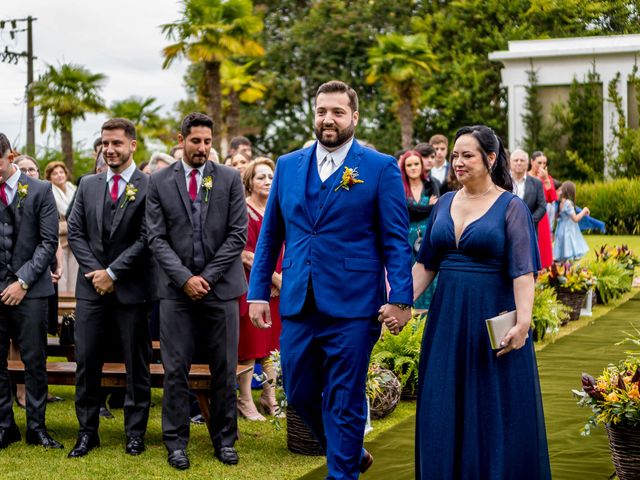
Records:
x=13, y=294
x=102, y=282
x=196, y=287
x=514, y=339
x=394, y=317
x=260, y=315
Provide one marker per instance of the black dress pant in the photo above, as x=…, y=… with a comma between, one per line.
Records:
x=94, y=321
x=27, y=323
x=215, y=323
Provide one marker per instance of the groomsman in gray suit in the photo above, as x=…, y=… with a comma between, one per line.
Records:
x=28, y=242
x=197, y=221
x=108, y=238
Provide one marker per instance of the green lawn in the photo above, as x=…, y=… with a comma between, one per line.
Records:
x=262, y=448
x=596, y=241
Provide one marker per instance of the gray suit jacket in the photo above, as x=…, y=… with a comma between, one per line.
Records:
x=224, y=231
x=126, y=251
x=35, y=236
x=534, y=198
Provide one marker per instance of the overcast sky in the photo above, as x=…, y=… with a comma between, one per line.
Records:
x=119, y=38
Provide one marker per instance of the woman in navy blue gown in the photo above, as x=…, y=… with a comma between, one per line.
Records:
x=479, y=413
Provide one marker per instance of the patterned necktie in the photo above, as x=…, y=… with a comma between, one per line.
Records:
x=114, y=188
x=326, y=167
x=193, y=185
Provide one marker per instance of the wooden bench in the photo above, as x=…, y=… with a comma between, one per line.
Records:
x=114, y=375
x=54, y=349
x=66, y=303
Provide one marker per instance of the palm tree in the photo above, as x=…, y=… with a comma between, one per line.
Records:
x=401, y=62
x=212, y=31
x=238, y=85
x=66, y=94
x=145, y=116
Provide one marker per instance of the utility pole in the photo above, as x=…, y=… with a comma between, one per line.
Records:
x=13, y=57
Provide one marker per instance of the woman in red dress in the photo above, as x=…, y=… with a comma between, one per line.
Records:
x=255, y=344
x=539, y=170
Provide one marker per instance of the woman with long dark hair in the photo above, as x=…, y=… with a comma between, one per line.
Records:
x=479, y=412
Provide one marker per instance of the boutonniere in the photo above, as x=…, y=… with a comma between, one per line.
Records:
x=129, y=194
x=207, y=184
x=349, y=178
x=23, y=190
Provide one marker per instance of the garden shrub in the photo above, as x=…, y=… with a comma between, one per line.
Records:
x=615, y=202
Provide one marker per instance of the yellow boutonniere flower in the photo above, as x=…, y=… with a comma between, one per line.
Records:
x=129, y=194
x=349, y=178
x=23, y=190
x=207, y=184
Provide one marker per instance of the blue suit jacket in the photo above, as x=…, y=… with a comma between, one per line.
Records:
x=345, y=249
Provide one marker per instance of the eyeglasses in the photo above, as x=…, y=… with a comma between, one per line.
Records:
x=29, y=170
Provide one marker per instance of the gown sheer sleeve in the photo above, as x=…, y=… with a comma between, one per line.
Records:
x=428, y=255
x=522, y=251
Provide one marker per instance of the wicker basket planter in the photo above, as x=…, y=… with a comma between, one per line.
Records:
x=573, y=300
x=299, y=437
x=624, y=443
x=386, y=401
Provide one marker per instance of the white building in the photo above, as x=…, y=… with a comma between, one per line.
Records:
x=558, y=62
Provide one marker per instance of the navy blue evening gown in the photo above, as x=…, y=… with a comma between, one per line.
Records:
x=478, y=416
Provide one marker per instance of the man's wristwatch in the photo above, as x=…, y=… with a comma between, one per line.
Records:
x=402, y=306
x=23, y=284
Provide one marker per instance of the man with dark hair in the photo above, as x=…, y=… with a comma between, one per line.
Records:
x=341, y=210
x=28, y=242
x=197, y=221
x=108, y=238
x=441, y=167
x=241, y=145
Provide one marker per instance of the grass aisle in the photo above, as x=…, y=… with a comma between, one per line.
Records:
x=589, y=349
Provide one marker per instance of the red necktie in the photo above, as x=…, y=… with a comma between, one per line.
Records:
x=114, y=188
x=3, y=193
x=193, y=185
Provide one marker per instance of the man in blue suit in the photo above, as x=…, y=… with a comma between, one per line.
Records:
x=340, y=209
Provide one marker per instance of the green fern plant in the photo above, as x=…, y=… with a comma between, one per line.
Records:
x=548, y=313
x=611, y=279
x=401, y=353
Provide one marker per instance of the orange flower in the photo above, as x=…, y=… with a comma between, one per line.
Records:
x=634, y=393
x=612, y=397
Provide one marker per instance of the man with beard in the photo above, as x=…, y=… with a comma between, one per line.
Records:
x=197, y=220
x=108, y=238
x=340, y=209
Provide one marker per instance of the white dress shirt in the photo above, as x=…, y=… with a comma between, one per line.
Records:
x=12, y=185
x=518, y=187
x=125, y=177
x=337, y=155
x=440, y=173
x=187, y=174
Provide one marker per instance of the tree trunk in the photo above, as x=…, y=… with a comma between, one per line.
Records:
x=233, y=116
x=67, y=146
x=405, y=116
x=214, y=100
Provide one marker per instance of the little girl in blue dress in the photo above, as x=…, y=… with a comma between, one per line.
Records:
x=569, y=244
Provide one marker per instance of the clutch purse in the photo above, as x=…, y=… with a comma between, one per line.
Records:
x=498, y=326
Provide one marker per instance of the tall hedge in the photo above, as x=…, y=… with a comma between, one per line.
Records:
x=615, y=202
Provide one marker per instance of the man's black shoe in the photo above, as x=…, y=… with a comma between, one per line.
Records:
x=178, y=459
x=84, y=445
x=135, y=445
x=42, y=438
x=9, y=436
x=366, y=461
x=227, y=455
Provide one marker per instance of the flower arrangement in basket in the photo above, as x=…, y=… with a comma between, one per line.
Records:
x=568, y=276
x=620, y=253
x=614, y=399
x=383, y=390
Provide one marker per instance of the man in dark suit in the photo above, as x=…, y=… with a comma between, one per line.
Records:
x=28, y=242
x=341, y=210
x=108, y=238
x=528, y=188
x=197, y=221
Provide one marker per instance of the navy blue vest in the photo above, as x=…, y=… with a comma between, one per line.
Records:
x=318, y=191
